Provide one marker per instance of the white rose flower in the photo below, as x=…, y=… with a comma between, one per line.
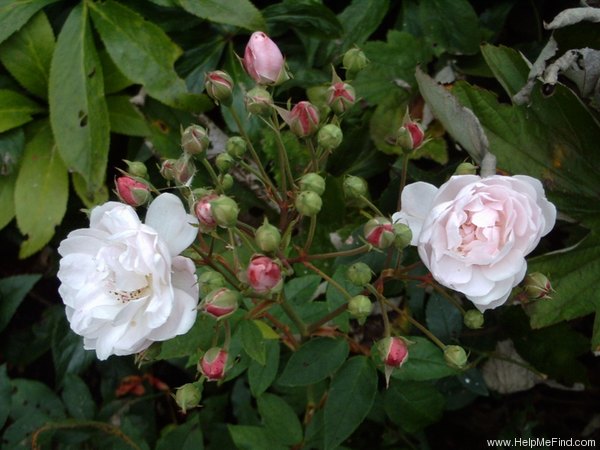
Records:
x=473, y=233
x=122, y=281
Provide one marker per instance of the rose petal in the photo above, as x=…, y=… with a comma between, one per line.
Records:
x=168, y=217
x=416, y=203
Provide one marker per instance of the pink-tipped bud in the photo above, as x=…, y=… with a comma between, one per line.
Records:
x=264, y=274
x=219, y=86
x=263, y=60
x=258, y=101
x=303, y=119
x=213, y=364
x=537, y=286
x=184, y=169
x=203, y=211
x=394, y=353
x=341, y=97
x=410, y=136
x=221, y=303
x=379, y=232
x=167, y=169
x=133, y=192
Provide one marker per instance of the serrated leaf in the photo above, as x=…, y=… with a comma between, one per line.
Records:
x=31, y=396
x=41, y=191
x=314, y=361
x=15, y=13
x=5, y=393
x=78, y=112
x=360, y=19
x=280, y=420
x=15, y=109
x=425, y=362
x=443, y=319
x=252, y=341
x=301, y=289
x=251, y=437
x=125, y=118
x=144, y=54
x=187, y=436
x=12, y=292
x=311, y=18
x=413, y=405
x=261, y=376
x=241, y=13
x=27, y=55
x=114, y=80
x=350, y=399
x=77, y=398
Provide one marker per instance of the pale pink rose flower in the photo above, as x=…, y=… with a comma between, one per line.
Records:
x=122, y=282
x=263, y=60
x=473, y=233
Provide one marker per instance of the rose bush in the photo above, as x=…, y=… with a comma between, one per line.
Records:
x=473, y=233
x=122, y=281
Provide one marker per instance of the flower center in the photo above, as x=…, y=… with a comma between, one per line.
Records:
x=480, y=232
x=125, y=296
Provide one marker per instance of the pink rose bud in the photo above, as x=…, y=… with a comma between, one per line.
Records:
x=303, y=119
x=221, y=303
x=184, y=169
x=537, y=285
x=194, y=140
x=264, y=274
x=379, y=232
x=341, y=97
x=167, y=169
x=203, y=211
x=394, y=353
x=410, y=136
x=219, y=86
x=263, y=60
x=132, y=192
x=213, y=364
x=258, y=101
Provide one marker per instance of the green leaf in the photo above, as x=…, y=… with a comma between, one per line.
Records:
x=311, y=18
x=114, y=80
x=31, y=396
x=12, y=292
x=253, y=341
x=77, y=398
x=425, y=362
x=78, y=112
x=360, y=19
x=12, y=146
x=413, y=405
x=444, y=320
x=68, y=354
x=350, y=399
x=261, y=376
x=5, y=392
x=280, y=420
x=301, y=289
x=198, y=61
x=15, y=109
x=89, y=199
x=187, y=436
x=27, y=55
x=248, y=437
x=144, y=54
x=241, y=13
x=314, y=361
x=199, y=336
x=41, y=191
x=15, y=13
x=125, y=118
x=7, y=199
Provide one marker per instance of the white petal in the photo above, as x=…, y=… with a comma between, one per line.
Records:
x=416, y=204
x=168, y=217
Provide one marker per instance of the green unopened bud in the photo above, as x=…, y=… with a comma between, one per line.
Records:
x=312, y=182
x=330, y=136
x=184, y=169
x=219, y=86
x=473, y=319
x=194, y=140
x=227, y=182
x=360, y=307
x=210, y=281
x=136, y=169
x=223, y=161
x=188, y=396
x=236, y=147
x=221, y=303
x=224, y=211
x=354, y=60
x=402, y=236
x=410, y=136
x=537, y=286
x=466, y=168
x=167, y=169
x=258, y=101
x=455, y=356
x=267, y=237
x=355, y=187
x=308, y=203
x=359, y=274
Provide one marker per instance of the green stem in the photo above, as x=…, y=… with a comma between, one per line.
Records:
x=439, y=289
x=284, y=162
x=330, y=280
x=418, y=325
x=353, y=251
x=236, y=261
x=313, y=155
x=311, y=232
x=246, y=239
x=102, y=426
x=293, y=316
x=372, y=206
x=213, y=175
x=327, y=317
x=403, y=176
x=227, y=273
x=387, y=329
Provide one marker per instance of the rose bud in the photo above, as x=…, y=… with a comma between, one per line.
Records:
x=132, y=192
x=236, y=147
x=455, y=356
x=379, y=232
x=213, y=364
x=465, y=168
x=225, y=211
x=221, y=303
x=330, y=136
x=360, y=307
x=167, y=169
x=473, y=319
x=219, y=87
x=267, y=237
x=537, y=286
x=402, y=235
x=188, y=396
x=204, y=213
x=184, y=169
x=354, y=60
x=258, y=101
x=312, y=182
x=355, y=187
x=308, y=203
x=359, y=274
x=263, y=60
x=194, y=140
x=264, y=274
x=393, y=352
x=223, y=161
x=303, y=119
x=410, y=136
x=210, y=281
x=136, y=169
x=227, y=182
x=341, y=97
